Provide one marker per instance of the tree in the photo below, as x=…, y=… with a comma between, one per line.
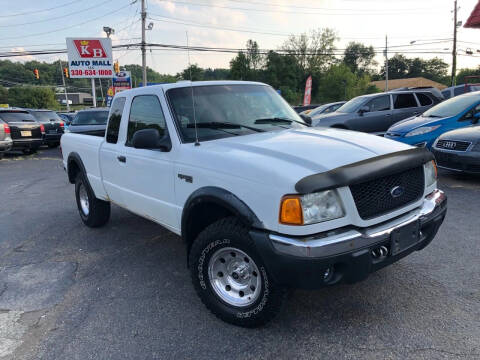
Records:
x=3, y=95
x=359, y=58
x=401, y=67
x=193, y=73
x=32, y=97
x=467, y=72
x=254, y=57
x=240, y=67
x=313, y=52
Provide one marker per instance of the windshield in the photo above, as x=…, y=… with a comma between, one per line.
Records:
x=230, y=110
x=12, y=116
x=352, y=105
x=317, y=110
x=91, y=118
x=46, y=116
x=452, y=107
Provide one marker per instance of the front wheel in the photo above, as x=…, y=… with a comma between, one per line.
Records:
x=230, y=277
x=93, y=212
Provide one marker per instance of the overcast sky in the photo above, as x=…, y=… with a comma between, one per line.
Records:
x=35, y=25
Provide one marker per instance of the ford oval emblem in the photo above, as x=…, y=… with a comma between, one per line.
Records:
x=397, y=191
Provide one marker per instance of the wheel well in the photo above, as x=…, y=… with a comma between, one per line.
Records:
x=202, y=215
x=73, y=170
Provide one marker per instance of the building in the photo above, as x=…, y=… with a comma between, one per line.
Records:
x=411, y=82
x=79, y=98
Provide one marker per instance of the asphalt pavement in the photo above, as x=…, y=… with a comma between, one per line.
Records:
x=123, y=291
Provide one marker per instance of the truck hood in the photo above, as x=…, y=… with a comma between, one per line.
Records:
x=415, y=122
x=291, y=154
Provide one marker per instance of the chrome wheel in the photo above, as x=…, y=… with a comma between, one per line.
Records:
x=83, y=197
x=234, y=277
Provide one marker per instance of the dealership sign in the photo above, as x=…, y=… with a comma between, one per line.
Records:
x=90, y=57
x=122, y=81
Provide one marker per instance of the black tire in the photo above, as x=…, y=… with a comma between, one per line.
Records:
x=231, y=233
x=2, y=155
x=27, y=151
x=53, y=145
x=98, y=210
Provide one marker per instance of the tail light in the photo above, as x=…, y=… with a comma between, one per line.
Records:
x=62, y=125
x=42, y=128
x=6, y=129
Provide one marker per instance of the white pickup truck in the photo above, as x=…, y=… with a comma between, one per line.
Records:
x=262, y=201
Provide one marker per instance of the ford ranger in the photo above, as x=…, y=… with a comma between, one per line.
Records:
x=263, y=201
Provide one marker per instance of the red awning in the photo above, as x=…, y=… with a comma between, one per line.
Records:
x=474, y=19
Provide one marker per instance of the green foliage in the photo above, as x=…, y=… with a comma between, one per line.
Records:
x=359, y=58
x=32, y=97
x=3, y=95
x=193, y=73
x=152, y=75
x=240, y=67
x=467, y=72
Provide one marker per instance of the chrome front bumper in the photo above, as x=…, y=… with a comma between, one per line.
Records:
x=353, y=238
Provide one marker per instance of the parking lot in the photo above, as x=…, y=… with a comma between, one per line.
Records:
x=123, y=291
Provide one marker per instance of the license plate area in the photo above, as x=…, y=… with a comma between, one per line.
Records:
x=26, y=133
x=404, y=237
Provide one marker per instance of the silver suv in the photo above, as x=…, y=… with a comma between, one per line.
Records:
x=375, y=113
x=5, y=138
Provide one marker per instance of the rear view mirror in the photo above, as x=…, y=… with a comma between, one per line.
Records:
x=476, y=118
x=150, y=139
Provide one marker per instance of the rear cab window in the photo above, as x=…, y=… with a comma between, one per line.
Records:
x=114, y=120
x=403, y=101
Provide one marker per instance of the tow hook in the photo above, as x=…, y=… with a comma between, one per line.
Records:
x=380, y=252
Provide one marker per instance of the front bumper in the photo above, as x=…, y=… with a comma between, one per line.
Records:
x=346, y=254
x=461, y=161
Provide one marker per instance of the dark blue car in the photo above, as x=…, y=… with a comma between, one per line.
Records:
x=454, y=113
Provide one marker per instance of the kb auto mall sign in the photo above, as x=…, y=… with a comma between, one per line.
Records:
x=90, y=57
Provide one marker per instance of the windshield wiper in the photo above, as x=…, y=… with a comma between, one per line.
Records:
x=223, y=125
x=433, y=116
x=278, y=120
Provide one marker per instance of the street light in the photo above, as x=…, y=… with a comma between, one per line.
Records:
x=108, y=30
x=150, y=26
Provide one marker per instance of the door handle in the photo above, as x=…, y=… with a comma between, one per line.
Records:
x=388, y=114
x=122, y=158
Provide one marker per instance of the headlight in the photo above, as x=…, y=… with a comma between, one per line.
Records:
x=430, y=170
x=422, y=130
x=310, y=208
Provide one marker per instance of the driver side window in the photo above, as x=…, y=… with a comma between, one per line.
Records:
x=469, y=114
x=381, y=103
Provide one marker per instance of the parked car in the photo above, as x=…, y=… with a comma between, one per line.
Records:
x=454, y=113
x=67, y=117
x=53, y=124
x=323, y=109
x=453, y=91
x=91, y=122
x=301, y=108
x=459, y=150
x=375, y=113
x=5, y=138
x=26, y=133
x=433, y=90
x=238, y=178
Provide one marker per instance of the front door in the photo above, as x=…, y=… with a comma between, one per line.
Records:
x=404, y=106
x=375, y=119
x=148, y=180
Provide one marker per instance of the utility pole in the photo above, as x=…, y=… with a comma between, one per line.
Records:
x=64, y=86
x=454, y=51
x=385, y=52
x=144, y=51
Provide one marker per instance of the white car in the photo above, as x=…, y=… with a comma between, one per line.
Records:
x=262, y=201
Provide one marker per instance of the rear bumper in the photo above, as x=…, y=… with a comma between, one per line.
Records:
x=461, y=161
x=5, y=145
x=52, y=138
x=26, y=143
x=346, y=254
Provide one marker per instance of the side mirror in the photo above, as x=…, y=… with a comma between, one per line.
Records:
x=363, y=109
x=306, y=118
x=476, y=118
x=150, y=139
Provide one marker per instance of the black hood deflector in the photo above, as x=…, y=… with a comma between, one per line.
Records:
x=364, y=170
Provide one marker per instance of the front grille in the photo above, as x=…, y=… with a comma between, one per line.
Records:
x=374, y=198
x=453, y=145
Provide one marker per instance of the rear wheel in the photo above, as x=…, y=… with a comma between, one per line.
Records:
x=27, y=151
x=93, y=212
x=231, y=278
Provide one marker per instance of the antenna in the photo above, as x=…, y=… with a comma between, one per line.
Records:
x=197, y=143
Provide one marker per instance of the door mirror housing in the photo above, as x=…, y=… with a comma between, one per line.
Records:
x=476, y=118
x=363, y=110
x=150, y=139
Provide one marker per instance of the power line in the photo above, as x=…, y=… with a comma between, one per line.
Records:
x=57, y=17
x=37, y=11
x=68, y=27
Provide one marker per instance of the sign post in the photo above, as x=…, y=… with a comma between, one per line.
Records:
x=90, y=58
x=308, y=91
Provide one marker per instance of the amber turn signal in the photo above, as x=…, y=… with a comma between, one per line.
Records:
x=291, y=211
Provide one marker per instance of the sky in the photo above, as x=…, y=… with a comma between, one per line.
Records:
x=40, y=25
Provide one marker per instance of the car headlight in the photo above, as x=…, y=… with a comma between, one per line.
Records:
x=310, y=208
x=430, y=169
x=422, y=130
